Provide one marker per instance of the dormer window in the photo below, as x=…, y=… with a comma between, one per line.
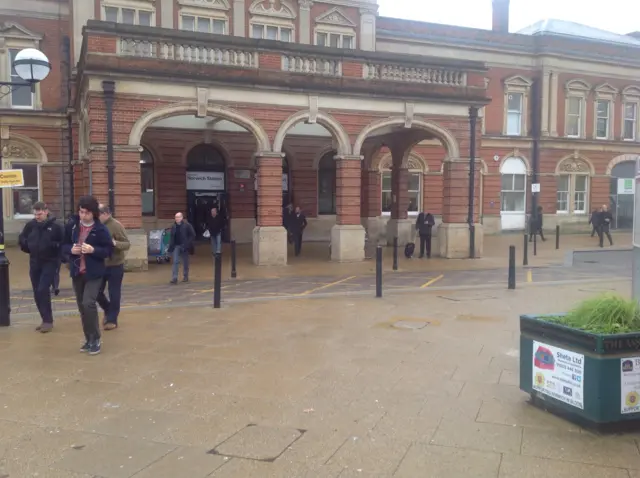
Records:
x=204, y=16
x=269, y=22
x=334, y=29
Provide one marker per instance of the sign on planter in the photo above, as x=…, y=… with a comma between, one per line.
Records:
x=559, y=374
x=630, y=385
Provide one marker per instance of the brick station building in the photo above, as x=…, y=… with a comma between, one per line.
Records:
x=362, y=120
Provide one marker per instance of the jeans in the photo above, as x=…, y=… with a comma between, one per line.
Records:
x=297, y=242
x=425, y=244
x=180, y=254
x=87, y=292
x=111, y=306
x=216, y=243
x=41, y=275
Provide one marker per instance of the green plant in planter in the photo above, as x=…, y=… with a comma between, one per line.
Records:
x=605, y=314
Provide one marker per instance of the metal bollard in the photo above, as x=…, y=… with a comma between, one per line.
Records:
x=525, y=251
x=535, y=245
x=217, y=280
x=379, y=271
x=512, y=267
x=557, y=237
x=234, y=274
x=395, y=253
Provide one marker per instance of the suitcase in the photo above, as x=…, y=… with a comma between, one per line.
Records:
x=409, y=250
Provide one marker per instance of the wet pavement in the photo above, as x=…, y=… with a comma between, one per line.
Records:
x=195, y=294
x=414, y=385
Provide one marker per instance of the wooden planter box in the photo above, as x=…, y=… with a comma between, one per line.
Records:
x=588, y=378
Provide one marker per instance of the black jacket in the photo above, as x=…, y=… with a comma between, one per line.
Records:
x=605, y=218
x=215, y=225
x=594, y=218
x=42, y=240
x=425, y=223
x=188, y=235
x=101, y=241
x=297, y=223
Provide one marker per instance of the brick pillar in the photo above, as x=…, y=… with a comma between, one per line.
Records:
x=347, y=236
x=400, y=192
x=269, y=237
x=453, y=234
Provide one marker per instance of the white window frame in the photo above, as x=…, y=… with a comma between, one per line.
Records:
x=577, y=89
x=202, y=12
x=16, y=163
x=516, y=85
x=634, y=120
x=518, y=113
x=607, y=118
x=604, y=92
x=17, y=79
x=572, y=193
x=420, y=189
x=273, y=23
x=630, y=95
x=137, y=6
x=17, y=37
x=210, y=19
x=514, y=166
x=342, y=32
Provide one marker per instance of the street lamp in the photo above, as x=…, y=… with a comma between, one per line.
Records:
x=32, y=66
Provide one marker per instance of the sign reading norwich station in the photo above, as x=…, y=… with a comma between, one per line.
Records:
x=11, y=178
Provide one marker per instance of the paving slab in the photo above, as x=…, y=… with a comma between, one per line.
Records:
x=184, y=461
x=256, y=442
x=428, y=461
x=519, y=466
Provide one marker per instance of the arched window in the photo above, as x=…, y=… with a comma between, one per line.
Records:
x=416, y=172
x=147, y=183
x=24, y=154
x=327, y=184
x=572, y=186
x=513, y=194
x=205, y=157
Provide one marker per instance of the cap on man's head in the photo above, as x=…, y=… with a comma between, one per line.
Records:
x=40, y=206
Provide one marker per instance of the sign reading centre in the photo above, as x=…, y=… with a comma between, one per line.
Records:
x=11, y=178
x=205, y=181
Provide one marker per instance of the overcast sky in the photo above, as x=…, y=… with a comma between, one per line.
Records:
x=619, y=16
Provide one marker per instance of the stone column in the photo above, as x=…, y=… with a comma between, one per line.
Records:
x=347, y=236
x=399, y=225
x=269, y=237
x=453, y=233
x=368, y=29
x=305, y=21
x=372, y=205
x=239, y=22
x=553, y=105
x=544, y=128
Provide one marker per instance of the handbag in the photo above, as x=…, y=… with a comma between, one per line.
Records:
x=206, y=234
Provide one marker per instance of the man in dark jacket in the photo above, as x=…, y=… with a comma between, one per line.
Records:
x=88, y=244
x=215, y=226
x=605, y=218
x=180, y=245
x=287, y=214
x=593, y=220
x=42, y=238
x=297, y=224
x=424, y=225
x=536, y=225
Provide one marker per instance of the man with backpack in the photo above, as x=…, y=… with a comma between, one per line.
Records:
x=424, y=225
x=42, y=238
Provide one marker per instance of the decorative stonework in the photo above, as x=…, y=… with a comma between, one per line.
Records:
x=577, y=85
x=267, y=8
x=211, y=4
x=15, y=150
x=574, y=165
x=606, y=90
x=305, y=4
x=335, y=17
x=16, y=31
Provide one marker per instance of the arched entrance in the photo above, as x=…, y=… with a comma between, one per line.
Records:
x=513, y=194
x=206, y=187
x=287, y=196
x=622, y=194
x=327, y=184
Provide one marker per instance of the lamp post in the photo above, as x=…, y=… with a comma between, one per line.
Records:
x=32, y=66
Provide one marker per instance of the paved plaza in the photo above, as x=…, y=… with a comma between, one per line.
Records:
x=422, y=384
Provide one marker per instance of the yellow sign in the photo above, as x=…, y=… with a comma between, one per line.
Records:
x=11, y=178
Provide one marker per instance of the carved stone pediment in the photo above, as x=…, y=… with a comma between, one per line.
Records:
x=211, y=4
x=574, y=165
x=17, y=31
x=268, y=8
x=335, y=17
x=17, y=150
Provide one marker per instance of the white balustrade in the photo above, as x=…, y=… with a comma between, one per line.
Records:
x=407, y=74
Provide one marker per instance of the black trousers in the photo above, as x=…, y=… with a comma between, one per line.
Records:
x=42, y=275
x=297, y=242
x=425, y=244
x=602, y=231
x=594, y=230
x=87, y=292
x=536, y=231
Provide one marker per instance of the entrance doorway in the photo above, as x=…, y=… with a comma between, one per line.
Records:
x=513, y=194
x=622, y=194
x=206, y=188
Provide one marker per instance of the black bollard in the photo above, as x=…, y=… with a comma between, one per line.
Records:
x=525, y=251
x=535, y=245
x=395, y=253
x=379, y=271
x=512, y=267
x=557, y=237
x=217, y=280
x=234, y=274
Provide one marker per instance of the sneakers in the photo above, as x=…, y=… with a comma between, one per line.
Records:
x=110, y=326
x=173, y=281
x=44, y=327
x=85, y=347
x=95, y=348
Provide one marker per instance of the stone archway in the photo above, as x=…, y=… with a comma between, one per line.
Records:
x=329, y=122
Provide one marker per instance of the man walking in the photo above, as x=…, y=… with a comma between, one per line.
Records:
x=287, y=214
x=180, y=245
x=88, y=244
x=114, y=269
x=536, y=225
x=215, y=225
x=42, y=238
x=297, y=224
x=604, y=225
x=424, y=225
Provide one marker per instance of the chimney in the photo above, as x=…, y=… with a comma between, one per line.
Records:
x=500, y=16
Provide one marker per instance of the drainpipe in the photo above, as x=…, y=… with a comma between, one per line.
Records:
x=72, y=193
x=536, y=118
x=473, y=119
x=109, y=89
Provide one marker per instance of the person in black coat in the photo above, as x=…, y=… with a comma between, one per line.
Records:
x=593, y=220
x=215, y=225
x=180, y=246
x=297, y=224
x=424, y=225
x=605, y=218
x=536, y=225
x=42, y=238
x=287, y=214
